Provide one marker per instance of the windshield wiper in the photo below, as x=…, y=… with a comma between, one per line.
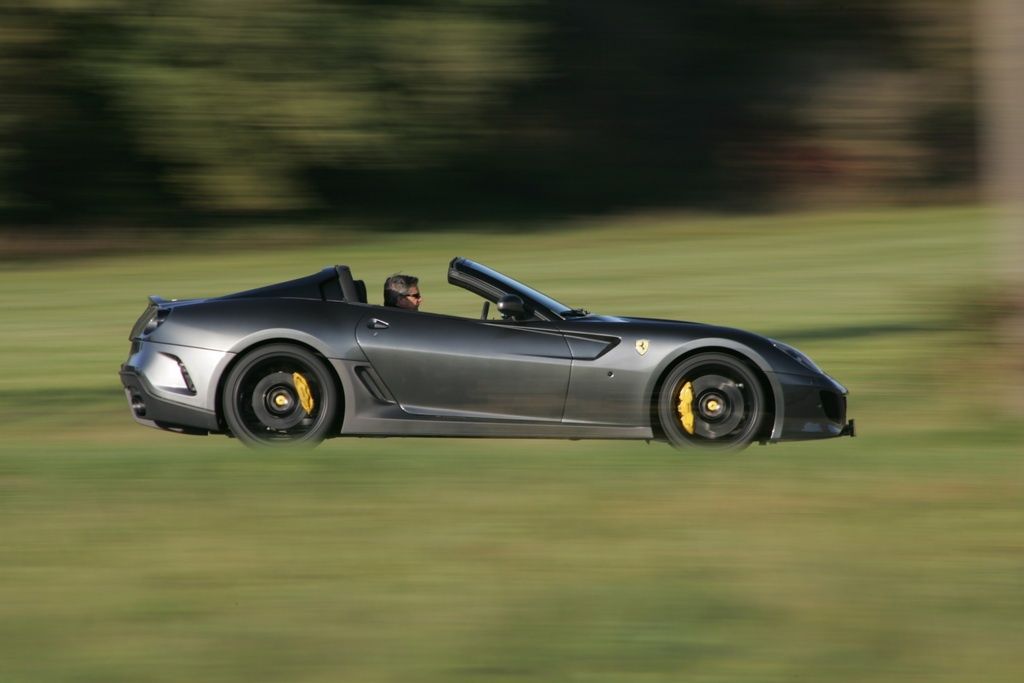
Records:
x=575, y=313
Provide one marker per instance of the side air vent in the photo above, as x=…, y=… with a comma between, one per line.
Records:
x=374, y=384
x=834, y=406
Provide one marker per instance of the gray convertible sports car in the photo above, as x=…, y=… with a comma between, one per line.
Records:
x=309, y=359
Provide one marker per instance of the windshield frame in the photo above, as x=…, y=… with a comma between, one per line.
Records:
x=492, y=285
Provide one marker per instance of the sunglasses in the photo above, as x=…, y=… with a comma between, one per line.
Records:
x=414, y=296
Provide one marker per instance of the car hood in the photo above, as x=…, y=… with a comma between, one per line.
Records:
x=663, y=326
x=669, y=334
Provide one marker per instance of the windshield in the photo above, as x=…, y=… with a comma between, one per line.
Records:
x=509, y=284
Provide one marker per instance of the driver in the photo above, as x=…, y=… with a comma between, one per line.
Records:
x=402, y=291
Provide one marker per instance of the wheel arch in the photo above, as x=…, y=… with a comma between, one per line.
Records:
x=772, y=391
x=241, y=353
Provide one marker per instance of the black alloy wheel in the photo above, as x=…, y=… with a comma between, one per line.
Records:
x=280, y=394
x=712, y=401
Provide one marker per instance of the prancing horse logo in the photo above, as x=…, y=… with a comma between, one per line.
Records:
x=642, y=345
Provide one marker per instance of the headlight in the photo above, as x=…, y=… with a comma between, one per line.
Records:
x=798, y=356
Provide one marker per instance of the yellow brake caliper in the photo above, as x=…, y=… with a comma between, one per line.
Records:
x=686, y=407
x=305, y=395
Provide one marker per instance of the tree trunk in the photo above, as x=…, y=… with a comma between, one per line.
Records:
x=1000, y=50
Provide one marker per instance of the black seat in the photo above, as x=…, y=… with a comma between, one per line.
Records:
x=361, y=290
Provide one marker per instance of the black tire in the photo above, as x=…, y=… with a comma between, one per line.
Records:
x=727, y=406
x=263, y=405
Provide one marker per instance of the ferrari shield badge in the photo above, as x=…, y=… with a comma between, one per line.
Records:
x=642, y=345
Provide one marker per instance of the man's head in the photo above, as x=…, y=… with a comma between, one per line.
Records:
x=402, y=291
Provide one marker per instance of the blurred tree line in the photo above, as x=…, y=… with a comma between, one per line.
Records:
x=137, y=111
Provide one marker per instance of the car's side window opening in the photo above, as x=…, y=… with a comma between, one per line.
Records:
x=467, y=306
x=458, y=302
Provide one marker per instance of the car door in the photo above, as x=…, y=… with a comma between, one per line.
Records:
x=459, y=367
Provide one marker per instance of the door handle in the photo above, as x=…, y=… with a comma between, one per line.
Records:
x=376, y=324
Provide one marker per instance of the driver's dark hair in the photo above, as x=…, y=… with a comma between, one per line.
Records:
x=396, y=286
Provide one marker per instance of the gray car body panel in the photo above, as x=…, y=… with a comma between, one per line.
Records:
x=232, y=326
x=558, y=374
x=458, y=367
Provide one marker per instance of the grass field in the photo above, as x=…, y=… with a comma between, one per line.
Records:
x=127, y=554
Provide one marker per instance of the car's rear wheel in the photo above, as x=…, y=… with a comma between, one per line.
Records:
x=711, y=401
x=280, y=394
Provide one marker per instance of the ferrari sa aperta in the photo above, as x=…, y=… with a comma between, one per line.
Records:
x=309, y=359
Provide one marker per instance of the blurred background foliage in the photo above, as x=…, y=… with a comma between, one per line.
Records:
x=140, y=113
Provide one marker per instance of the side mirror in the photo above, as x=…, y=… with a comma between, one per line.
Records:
x=511, y=306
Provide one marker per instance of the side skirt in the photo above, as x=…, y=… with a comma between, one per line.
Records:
x=504, y=430
x=370, y=410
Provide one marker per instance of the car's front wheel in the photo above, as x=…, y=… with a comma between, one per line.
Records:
x=712, y=401
x=280, y=394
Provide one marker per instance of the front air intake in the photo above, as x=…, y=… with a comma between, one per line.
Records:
x=834, y=406
x=138, y=406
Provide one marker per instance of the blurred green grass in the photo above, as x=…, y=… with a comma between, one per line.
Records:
x=127, y=554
